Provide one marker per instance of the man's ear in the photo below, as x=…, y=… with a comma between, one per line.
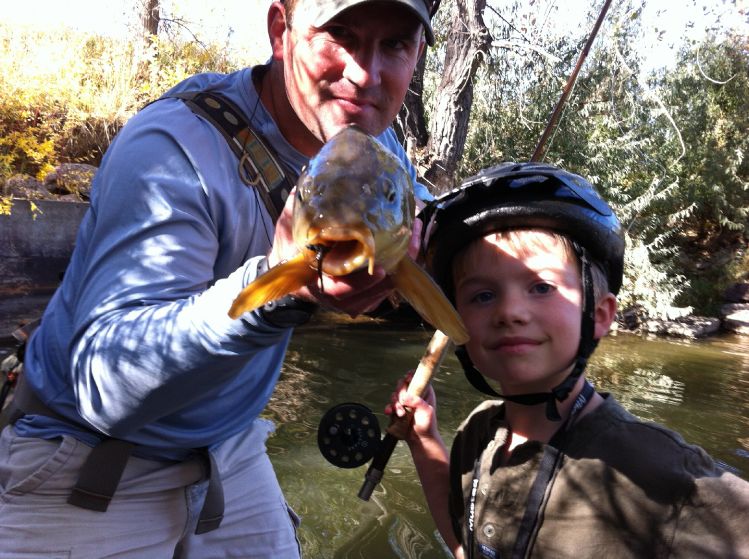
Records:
x=276, y=29
x=604, y=315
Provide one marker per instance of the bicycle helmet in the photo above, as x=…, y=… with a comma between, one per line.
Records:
x=527, y=195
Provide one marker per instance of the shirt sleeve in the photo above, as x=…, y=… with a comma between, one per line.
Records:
x=151, y=329
x=713, y=521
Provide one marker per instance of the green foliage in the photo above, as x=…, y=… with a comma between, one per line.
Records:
x=668, y=152
x=709, y=96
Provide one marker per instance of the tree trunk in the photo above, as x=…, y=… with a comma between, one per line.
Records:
x=467, y=45
x=411, y=124
x=150, y=17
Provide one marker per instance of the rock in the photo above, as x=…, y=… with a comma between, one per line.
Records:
x=25, y=186
x=630, y=319
x=736, y=317
x=691, y=327
x=737, y=293
x=71, y=178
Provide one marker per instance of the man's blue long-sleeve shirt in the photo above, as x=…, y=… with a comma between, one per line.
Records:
x=137, y=343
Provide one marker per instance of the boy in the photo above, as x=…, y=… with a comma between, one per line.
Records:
x=533, y=259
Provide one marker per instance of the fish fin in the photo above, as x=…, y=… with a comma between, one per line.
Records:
x=280, y=280
x=426, y=297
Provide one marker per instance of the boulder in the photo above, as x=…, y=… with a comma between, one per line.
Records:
x=691, y=327
x=25, y=186
x=71, y=178
x=736, y=317
x=737, y=293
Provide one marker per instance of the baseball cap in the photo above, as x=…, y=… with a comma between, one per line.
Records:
x=328, y=9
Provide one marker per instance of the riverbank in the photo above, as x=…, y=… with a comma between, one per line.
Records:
x=39, y=221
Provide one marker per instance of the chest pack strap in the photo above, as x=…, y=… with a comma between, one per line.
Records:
x=258, y=166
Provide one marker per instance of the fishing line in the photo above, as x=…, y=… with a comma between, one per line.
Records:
x=320, y=252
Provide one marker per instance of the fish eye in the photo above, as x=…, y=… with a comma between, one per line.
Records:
x=390, y=192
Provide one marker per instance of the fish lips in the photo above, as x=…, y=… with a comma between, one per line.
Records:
x=340, y=250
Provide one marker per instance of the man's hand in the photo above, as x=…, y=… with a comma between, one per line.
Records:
x=353, y=293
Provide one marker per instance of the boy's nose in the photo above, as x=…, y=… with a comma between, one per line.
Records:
x=509, y=309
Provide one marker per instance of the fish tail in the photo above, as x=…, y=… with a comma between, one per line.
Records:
x=280, y=280
x=425, y=296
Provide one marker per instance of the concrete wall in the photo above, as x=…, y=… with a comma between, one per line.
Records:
x=36, y=240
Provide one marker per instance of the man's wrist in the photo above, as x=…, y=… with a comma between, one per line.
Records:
x=288, y=311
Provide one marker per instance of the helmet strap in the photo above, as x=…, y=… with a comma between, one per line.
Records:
x=587, y=344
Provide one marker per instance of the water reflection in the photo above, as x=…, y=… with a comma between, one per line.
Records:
x=699, y=389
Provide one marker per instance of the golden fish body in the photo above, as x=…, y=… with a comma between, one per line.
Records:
x=354, y=207
x=356, y=199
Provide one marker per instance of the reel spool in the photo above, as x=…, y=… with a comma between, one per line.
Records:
x=348, y=435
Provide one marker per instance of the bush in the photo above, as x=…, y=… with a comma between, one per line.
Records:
x=64, y=95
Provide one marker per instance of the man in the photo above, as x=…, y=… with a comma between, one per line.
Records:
x=136, y=353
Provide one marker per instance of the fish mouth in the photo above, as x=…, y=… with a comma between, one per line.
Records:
x=338, y=251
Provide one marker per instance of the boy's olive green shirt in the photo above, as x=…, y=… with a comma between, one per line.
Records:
x=621, y=488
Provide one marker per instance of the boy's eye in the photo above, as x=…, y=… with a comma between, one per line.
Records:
x=542, y=288
x=482, y=297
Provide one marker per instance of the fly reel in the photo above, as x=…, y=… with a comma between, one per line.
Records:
x=348, y=435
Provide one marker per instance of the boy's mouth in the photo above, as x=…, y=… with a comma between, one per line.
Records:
x=515, y=344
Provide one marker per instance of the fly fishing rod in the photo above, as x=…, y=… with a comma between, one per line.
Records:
x=349, y=434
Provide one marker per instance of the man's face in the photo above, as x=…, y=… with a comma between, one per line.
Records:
x=355, y=69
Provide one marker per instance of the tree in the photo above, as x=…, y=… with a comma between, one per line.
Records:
x=465, y=47
x=150, y=16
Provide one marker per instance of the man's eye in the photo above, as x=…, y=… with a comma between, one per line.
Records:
x=395, y=44
x=338, y=31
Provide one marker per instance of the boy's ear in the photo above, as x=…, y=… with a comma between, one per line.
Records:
x=604, y=315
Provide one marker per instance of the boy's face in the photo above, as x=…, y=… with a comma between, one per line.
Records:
x=520, y=296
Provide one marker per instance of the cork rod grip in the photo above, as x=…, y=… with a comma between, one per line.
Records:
x=428, y=365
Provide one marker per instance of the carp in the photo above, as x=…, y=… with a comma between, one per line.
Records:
x=354, y=206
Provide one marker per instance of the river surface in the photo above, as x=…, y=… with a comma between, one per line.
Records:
x=700, y=389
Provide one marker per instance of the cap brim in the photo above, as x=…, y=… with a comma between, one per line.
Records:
x=328, y=9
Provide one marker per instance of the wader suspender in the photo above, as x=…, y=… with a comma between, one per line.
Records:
x=101, y=472
x=258, y=167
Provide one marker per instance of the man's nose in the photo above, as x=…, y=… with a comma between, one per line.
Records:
x=363, y=67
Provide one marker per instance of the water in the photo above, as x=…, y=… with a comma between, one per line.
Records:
x=700, y=389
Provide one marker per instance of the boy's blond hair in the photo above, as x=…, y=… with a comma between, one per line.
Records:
x=519, y=239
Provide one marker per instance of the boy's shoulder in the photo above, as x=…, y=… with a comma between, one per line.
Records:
x=646, y=452
x=487, y=414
